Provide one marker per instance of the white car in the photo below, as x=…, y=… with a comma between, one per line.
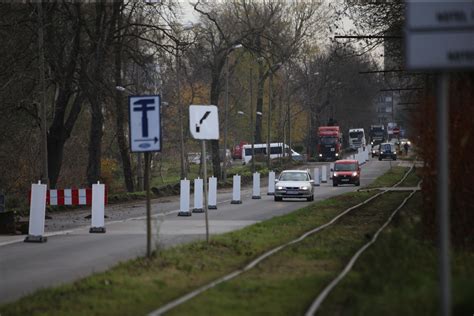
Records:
x=294, y=184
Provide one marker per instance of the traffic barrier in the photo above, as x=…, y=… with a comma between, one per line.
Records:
x=256, y=186
x=212, y=195
x=198, y=196
x=317, y=179
x=236, y=190
x=271, y=183
x=98, y=208
x=184, y=198
x=70, y=196
x=324, y=174
x=37, y=213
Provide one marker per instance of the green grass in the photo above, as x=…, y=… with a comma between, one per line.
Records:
x=389, y=178
x=398, y=275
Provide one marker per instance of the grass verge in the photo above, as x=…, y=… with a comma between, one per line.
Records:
x=392, y=176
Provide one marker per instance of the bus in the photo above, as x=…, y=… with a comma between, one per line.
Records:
x=276, y=151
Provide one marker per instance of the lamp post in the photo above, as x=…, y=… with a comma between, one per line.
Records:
x=140, y=180
x=252, y=131
x=226, y=110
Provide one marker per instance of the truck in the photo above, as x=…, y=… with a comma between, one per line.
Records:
x=393, y=131
x=377, y=134
x=329, y=143
x=356, y=138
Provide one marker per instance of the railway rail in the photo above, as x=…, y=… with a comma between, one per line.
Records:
x=320, y=298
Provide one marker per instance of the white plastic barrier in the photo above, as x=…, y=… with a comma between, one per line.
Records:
x=184, y=198
x=256, y=186
x=236, y=190
x=37, y=213
x=98, y=208
x=271, y=183
x=198, y=196
x=212, y=194
x=317, y=179
x=324, y=174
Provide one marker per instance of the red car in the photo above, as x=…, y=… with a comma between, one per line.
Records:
x=237, y=150
x=346, y=172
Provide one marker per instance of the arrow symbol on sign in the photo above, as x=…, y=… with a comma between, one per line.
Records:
x=198, y=127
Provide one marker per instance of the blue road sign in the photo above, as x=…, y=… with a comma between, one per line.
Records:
x=145, y=123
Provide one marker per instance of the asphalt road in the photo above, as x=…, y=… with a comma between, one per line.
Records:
x=75, y=253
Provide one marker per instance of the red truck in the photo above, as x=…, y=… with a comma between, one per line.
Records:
x=329, y=143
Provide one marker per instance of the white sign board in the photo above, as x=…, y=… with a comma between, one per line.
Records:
x=145, y=123
x=204, y=121
x=440, y=15
x=440, y=50
x=440, y=35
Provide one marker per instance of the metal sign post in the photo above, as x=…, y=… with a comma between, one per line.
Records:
x=204, y=124
x=145, y=136
x=439, y=37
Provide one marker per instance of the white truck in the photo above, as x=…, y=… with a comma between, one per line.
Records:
x=356, y=138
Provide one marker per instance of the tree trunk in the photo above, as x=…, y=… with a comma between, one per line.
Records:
x=258, y=118
x=119, y=112
x=216, y=165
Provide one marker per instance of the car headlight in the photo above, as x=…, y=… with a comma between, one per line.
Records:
x=373, y=151
x=337, y=154
x=408, y=142
x=354, y=174
x=304, y=188
x=394, y=152
x=320, y=155
x=279, y=187
x=335, y=174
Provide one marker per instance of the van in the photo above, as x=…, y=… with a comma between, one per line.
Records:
x=276, y=151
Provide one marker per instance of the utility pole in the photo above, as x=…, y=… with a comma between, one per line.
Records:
x=252, y=134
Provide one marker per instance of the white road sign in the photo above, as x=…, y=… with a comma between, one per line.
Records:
x=204, y=121
x=439, y=35
x=145, y=123
x=440, y=15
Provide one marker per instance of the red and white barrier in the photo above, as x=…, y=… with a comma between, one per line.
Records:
x=70, y=197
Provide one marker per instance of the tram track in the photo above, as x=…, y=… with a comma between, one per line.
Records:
x=187, y=297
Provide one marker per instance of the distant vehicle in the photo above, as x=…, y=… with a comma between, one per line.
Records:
x=356, y=138
x=237, y=150
x=346, y=172
x=404, y=141
x=375, y=150
x=377, y=134
x=195, y=158
x=329, y=143
x=393, y=131
x=276, y=151
x=294, y=184
x=387, y=150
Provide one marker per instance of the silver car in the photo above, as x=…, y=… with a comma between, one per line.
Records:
x=294, y=184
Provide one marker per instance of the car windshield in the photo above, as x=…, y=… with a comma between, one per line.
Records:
x=357, y=135
x=387, y=147
x=328, y=140
x=294, y=176
x=345, y=167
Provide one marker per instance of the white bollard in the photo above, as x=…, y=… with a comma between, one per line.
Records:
x=331, y=167
x=256, y=186
x=317, y=179
x=236, y=190
x=324, y=174
x=184, y=198
x=271, y=183
x=198, y=196
x=37, y=213
x=212, y=196
x=98, y=208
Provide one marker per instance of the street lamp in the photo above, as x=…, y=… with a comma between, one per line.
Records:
x=140, y=180
x=252, y=131
x=226, y=111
